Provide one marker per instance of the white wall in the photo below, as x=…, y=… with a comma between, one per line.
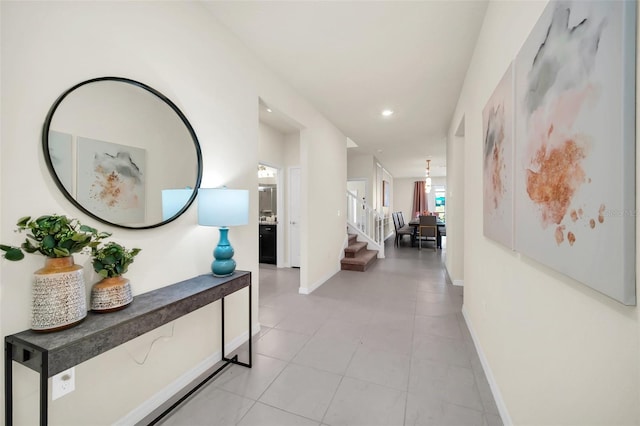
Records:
x=557, y=351
x=292, y=153
x=3, y=233
x=362, y=166
x=324, y=183
x=176, y=48
x=271, y=146
x=403, y=197
x=454, y=259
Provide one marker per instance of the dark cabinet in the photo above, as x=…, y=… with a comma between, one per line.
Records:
x=268, y=244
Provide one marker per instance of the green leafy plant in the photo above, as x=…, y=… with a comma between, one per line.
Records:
x=112, y=259
x=53, y=236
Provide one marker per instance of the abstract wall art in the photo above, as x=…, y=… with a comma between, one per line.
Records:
x=497, y=126
x=385, y=193
x=574, y=159
x=111, y=180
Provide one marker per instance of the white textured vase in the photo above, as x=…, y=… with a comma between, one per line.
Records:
x=59, y=295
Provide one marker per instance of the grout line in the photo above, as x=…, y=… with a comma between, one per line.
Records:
x=332, y=398
x=285, y=411
x=246, y=412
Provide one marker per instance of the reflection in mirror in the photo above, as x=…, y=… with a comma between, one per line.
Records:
x=268, y=199
x=122, y=152
x=267, y=193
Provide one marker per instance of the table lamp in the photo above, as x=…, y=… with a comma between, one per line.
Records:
x=223, y=207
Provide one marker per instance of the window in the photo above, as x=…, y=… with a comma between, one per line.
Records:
x=440, y=202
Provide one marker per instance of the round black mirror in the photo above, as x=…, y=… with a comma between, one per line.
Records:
x=122, y=152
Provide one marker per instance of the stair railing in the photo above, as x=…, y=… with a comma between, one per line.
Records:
x=366, y=221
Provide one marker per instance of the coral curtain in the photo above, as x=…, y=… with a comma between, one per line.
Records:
x=419, y=199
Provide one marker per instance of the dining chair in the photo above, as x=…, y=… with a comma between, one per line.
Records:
x=400, y=230
x=428, y=230
x=400, y=219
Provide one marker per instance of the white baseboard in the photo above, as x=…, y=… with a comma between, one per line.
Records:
x=459, y=283
x=318, y=283
x=147, y=407
x=495, y=390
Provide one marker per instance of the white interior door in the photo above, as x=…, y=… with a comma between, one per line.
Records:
x=294, y=217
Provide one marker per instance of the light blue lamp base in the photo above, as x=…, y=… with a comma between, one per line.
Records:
x=223, y=265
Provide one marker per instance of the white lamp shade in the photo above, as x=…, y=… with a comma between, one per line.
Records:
x=223, y=207
x=173, y=200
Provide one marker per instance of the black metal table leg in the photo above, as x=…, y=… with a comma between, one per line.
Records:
x=222, y=330
x=234, y=359
x=8, y=384
x=44, y=391
x=250, y=329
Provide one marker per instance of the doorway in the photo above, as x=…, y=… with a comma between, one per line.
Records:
x=269, y=206
x=279, y=149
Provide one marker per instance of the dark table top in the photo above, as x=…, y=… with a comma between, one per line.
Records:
x=100, y=332
x=416, y=222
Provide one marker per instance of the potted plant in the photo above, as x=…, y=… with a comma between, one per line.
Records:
x=53, y=236
x=59, y=295
x=113, y=292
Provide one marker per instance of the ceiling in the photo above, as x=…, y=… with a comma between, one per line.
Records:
x=352, y=59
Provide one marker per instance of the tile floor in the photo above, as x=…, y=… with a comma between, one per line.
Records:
x=385, y=347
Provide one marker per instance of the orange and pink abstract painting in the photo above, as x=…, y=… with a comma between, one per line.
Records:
x=111, y=180
x=574, y=163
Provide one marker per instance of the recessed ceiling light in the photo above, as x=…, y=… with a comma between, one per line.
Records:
x=269, y=110
x=387, y=112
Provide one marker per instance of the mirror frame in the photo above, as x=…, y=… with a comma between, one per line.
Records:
x=68, y=196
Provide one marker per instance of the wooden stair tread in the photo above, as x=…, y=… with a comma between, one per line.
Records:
x=354, y=248
x=363, y=257
x=356, y=255
x=360, y=262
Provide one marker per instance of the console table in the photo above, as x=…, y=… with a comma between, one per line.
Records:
x=51, y=353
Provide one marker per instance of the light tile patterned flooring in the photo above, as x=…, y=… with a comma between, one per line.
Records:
x=385, y=347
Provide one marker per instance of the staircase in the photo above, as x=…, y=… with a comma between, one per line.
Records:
x=365, y=222
x=356, y=256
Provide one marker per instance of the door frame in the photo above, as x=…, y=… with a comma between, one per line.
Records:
x=290, y=199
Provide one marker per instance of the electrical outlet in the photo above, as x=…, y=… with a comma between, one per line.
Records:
x=63, y=383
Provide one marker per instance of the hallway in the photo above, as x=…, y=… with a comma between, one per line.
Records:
x=385, y=347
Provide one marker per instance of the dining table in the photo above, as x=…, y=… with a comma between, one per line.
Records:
x=415, y=223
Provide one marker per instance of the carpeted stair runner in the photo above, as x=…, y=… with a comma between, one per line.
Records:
x=356, y=256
